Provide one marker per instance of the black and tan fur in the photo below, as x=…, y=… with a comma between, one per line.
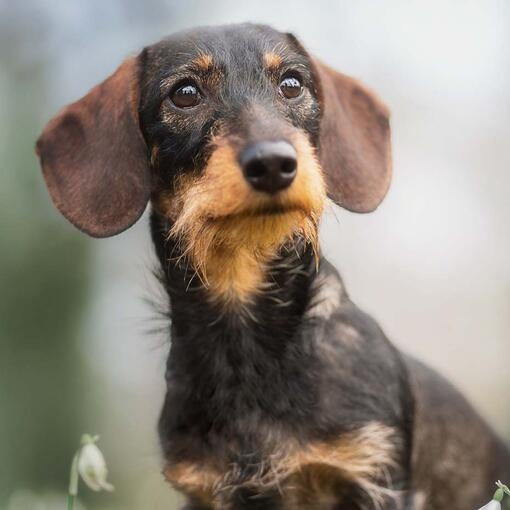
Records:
x=281, y=393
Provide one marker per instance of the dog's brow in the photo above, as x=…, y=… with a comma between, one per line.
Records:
x=272, y=60
x=201, y=65
x=203, y=62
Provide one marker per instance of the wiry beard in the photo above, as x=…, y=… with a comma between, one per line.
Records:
x=230, y=255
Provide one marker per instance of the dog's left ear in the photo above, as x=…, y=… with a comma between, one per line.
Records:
x=355, y=142
x=94, y=158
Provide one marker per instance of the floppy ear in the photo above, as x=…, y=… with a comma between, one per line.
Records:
x=355, y=145
x=94, y=158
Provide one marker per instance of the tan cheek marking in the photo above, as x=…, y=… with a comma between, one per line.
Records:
x=272, y=60
x=219, y=192
x=216, y=241
x=308, y=189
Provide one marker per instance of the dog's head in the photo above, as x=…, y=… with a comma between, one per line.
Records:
x=235, y=133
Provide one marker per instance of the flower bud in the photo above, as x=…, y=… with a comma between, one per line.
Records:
x=92, y=466
x=492, y=505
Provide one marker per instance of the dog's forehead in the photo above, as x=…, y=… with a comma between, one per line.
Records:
x=244, y=43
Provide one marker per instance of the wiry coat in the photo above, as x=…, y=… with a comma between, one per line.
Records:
x=281, y=393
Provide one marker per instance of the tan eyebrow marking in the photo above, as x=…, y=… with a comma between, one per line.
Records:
x=204, y=61
x=272, y=60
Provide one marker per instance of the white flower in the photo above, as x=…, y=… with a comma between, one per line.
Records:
x=492, y=505
x=92, y=467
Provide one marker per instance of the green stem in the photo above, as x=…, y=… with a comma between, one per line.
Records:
x=70, y=501
x=73, y=482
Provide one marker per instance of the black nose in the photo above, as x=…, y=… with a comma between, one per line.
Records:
x=269, y=166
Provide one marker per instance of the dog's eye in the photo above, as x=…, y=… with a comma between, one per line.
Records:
x=291, y=87
x=185, y=95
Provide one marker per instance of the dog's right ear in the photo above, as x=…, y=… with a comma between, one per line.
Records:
x=94, y=158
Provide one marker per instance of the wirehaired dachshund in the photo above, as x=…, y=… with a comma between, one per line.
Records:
x=281, y=393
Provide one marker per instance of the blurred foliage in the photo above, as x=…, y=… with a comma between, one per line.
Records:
x=43, y=282
x=48, y=396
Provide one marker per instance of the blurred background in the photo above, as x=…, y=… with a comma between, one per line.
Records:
x=432, y=264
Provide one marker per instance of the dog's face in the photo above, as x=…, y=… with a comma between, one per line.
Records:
x=231, y=118
x=235, y=133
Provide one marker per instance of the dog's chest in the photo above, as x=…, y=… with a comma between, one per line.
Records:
x=292, y=476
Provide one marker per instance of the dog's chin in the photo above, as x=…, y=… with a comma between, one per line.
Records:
x=275, y=211
x=261, y=229
x=266, y=211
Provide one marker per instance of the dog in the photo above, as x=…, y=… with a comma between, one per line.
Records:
x=281, y=393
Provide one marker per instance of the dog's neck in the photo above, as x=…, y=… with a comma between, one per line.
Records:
x=225, y=362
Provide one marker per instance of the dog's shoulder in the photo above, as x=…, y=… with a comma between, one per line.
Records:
x=360, y=369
